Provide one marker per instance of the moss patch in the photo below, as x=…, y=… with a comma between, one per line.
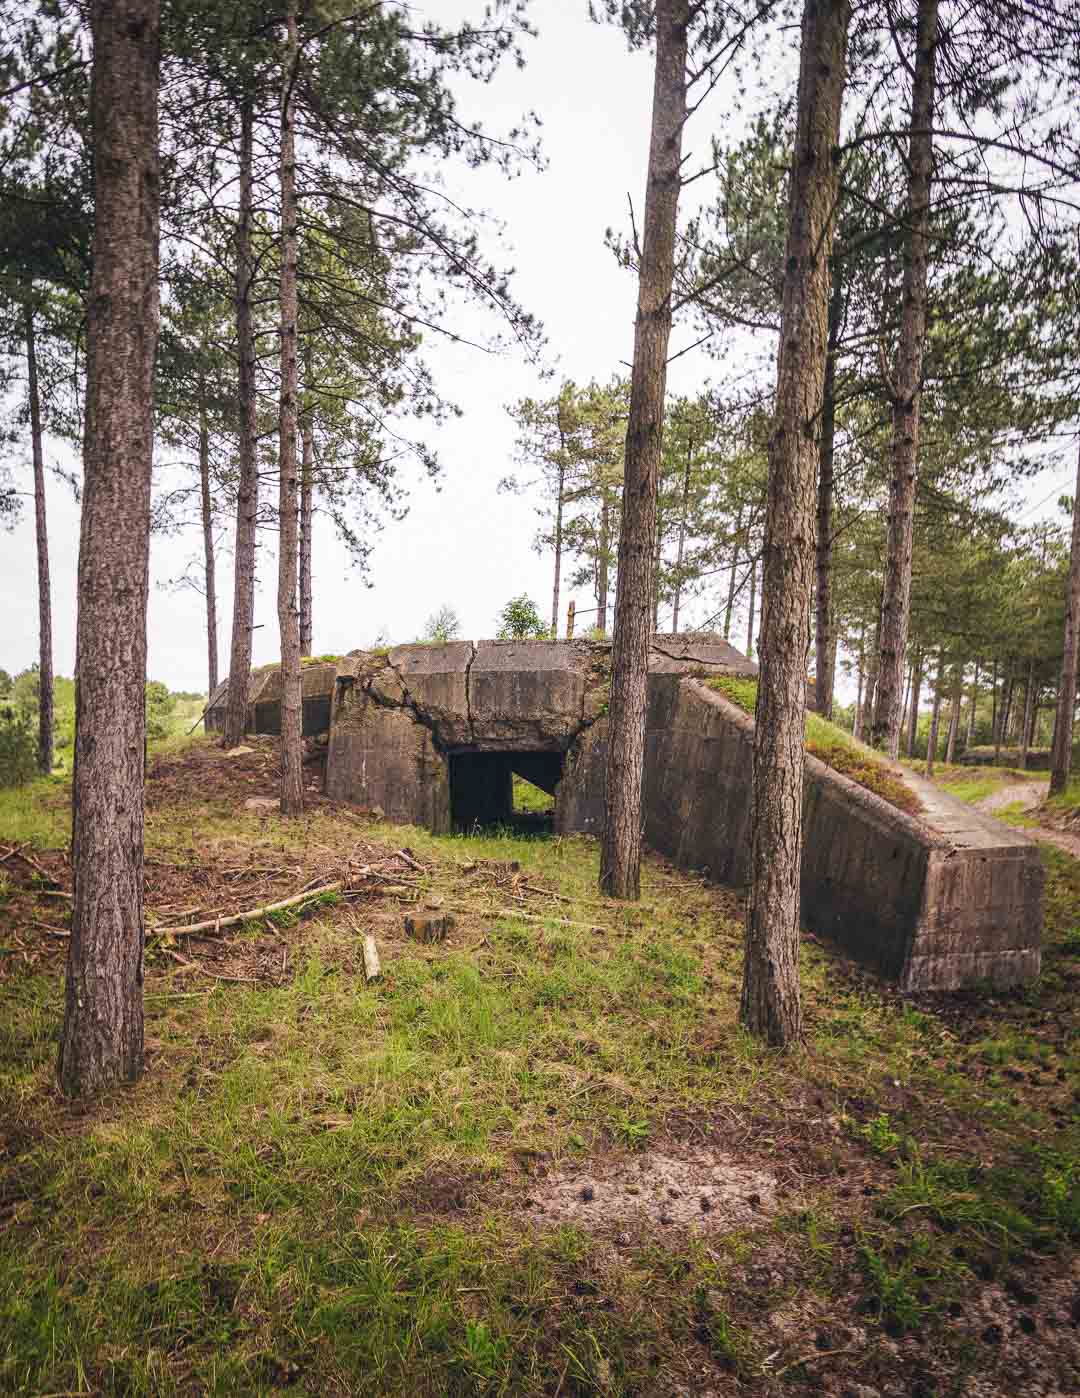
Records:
x=834, y=747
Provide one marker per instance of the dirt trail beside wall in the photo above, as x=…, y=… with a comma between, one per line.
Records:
x=1030, y=794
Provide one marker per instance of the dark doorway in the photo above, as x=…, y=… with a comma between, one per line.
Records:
x=482, y=788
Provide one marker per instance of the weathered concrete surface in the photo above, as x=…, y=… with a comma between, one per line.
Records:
x=264, y=700
x=380, y=756
x=945, y=900
x=526, y=694
x=435, y=680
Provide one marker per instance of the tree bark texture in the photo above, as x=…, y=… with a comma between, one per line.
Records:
x=913, y=714
x=858, y=722
x=1061, y=757
x=556, y=585
x=602, y=568
x=751, y=614
x=102, y=1037
x=731, y=580
x=770, y=1002
x=620, y=853
x=307, y=485
x=247, y=493
x=906, y=389
x=681, y=547
x=45, y=648
x=955, y=707
x=970, y=731
x=935, y=717
x=1026, y=724
x=823, y=697
x=292, y=755
x=209, y=566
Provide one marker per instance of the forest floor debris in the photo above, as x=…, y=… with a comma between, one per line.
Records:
x=329, y=1185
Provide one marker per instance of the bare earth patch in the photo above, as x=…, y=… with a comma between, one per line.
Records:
x=706, y=1191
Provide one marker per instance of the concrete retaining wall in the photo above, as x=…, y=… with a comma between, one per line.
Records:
x=947, y=899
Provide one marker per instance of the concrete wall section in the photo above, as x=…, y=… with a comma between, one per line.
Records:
x=526, y=694
x=381, y=756
x=947, y=900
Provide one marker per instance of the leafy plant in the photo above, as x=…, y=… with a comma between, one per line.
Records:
x=520, y=620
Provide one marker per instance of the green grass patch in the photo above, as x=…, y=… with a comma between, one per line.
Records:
x=833, y=746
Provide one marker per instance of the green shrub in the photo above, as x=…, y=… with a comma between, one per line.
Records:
x=18, y=747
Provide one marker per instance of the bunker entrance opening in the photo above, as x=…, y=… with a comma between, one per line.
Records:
x=504, y=788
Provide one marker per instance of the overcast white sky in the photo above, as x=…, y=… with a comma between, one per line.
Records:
x=463, y=544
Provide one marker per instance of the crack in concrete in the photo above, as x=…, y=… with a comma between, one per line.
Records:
x=468, y=691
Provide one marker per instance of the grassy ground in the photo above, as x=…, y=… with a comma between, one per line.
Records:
x=331, y=1187
x=531, y=798
x=1066, y=805
x=835, y=747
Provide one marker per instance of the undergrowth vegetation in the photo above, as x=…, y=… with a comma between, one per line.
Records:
x=833, y=746
x=324, y=1185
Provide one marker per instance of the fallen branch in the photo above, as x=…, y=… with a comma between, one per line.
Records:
x=217, y=924
x=410, y=861
x=9, y=852
x=216, y=975
x=810, y=1358
x=56, y=931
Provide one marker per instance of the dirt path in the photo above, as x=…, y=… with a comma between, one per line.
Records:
x=1030, y=793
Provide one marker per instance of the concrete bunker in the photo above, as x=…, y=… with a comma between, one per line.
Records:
x=432, y=735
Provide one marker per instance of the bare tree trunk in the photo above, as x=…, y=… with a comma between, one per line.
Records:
x=45, y=649
x=906, y=390
x=994, y=701
x=823, y=696
x=247, y=492
x=857, y=724
x=770, y=1004
x=557, y=581
x=970, y=733
x=872, y=678
x=955, y=706
x=602, y=567
x=1061, y=757
x=102, y=1037
x=620, y=852
x=1025, y=727
x=907, y=687
x=307, y=482
x=731, y=580
x=935, y=717
x=750, y=614
x=913, y=715
x=1002, y=731
x=209, y=569
x=292, y=755
x=681, y=549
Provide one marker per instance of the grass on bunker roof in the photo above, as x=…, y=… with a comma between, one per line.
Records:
x=322, y=1186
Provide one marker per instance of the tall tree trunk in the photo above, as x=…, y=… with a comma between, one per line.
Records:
x=857, y=723
x=681, y=547
x=604, y=545
x=1002, y=732
x=750, y=617
x=1025, y=726
x=209, y=568
x=970, y=732
x=955, y=706
x=292, y=755
x=45, y=650
x=770, y=1002
x=823, y=696
x=557, y=580
x=907, y=388
x=872, y=678
x=620, y=851
x=247, y=492
x=935, y=716
x=907, y=687
x=994, y=701
x=916, y=693
x=102, y=1037
x=307, y=484
x=731, y=580
x=1061, y=757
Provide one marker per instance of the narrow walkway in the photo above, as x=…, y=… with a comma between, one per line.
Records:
x=1030, y=793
